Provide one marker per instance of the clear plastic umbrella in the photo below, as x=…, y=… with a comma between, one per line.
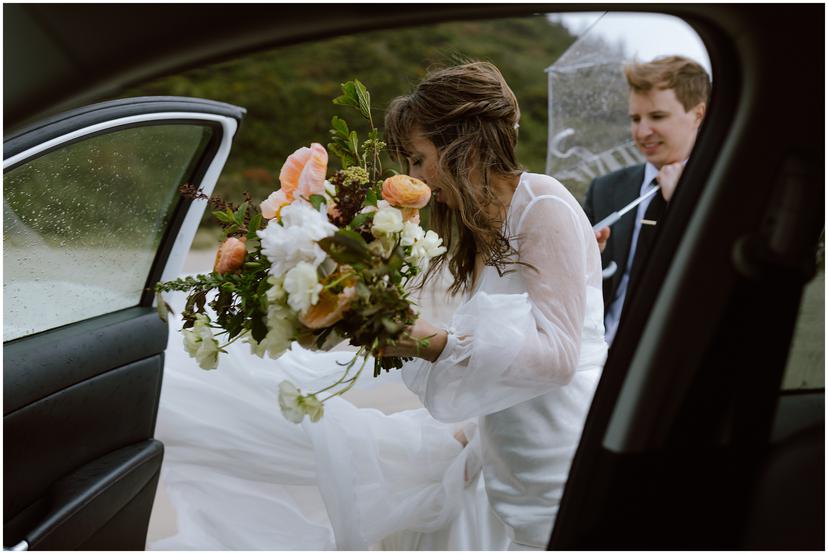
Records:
x=589, y=132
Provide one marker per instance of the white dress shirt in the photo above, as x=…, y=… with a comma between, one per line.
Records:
x=613, y=316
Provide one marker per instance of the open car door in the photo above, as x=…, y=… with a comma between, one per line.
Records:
x=93, y=218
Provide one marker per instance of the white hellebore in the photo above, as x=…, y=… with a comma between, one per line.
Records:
x=302, y=286
x=290, y=402
x=412, y=233
x=424, y=245
x=432, y=245
x=281, y=326
x=387, y=220
x=294, y=240
x=294, y=406
x=200, y=343
x=280, y=321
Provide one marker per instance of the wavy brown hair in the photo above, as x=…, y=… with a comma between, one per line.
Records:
x=470, y=114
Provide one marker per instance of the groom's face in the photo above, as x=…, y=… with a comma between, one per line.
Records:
x=662, y=129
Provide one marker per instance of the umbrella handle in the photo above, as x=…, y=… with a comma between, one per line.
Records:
x=609, y=271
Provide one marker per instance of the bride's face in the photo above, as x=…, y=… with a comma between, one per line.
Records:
x=423, y=162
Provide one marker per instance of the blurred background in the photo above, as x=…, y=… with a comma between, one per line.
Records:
x=288, y=91
x=565, y=69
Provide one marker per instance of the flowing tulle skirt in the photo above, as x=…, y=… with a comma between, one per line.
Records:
x=241, y=477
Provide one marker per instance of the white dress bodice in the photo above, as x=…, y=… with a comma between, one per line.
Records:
x=524, y=355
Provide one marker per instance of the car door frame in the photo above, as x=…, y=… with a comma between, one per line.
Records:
x=681, y=423
x=102, y=486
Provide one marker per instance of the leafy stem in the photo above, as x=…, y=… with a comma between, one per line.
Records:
x=348, y=367
x=352, y=381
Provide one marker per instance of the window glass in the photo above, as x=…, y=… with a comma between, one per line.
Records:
x=82, y=223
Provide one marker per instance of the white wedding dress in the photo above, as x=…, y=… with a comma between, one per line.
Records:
x=524, y=355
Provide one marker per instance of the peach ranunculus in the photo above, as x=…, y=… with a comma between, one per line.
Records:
x=292, y=169
x=312, y=179
x=304, y=172
x=230, y=255
x=330, y=308
x=402, y=191
x=274, y=204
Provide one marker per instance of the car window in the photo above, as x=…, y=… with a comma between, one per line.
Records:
x=82, y=223
x=806, y=360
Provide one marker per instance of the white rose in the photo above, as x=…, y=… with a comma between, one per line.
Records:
x=302, y=286
x=387, y=220
x=294, y=240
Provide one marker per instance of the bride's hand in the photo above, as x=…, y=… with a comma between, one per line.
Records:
x=461, y=437
x=407, y=345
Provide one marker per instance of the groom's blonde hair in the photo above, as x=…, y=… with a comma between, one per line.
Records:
x=688, y=79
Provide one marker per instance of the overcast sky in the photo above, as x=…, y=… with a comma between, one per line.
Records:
x=644, y=36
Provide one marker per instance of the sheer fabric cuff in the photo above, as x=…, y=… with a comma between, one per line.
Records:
x=485, y=338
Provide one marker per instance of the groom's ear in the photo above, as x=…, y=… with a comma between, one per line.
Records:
x=699, y=111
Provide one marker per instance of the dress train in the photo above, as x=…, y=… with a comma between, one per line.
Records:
x=241, y=477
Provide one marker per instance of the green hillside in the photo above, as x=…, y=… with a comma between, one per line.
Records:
x=288, y=91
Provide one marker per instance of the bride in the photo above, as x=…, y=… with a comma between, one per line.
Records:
x=506, y=384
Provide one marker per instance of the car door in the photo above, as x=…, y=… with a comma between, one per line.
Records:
x=92, y=219
x=689, y=443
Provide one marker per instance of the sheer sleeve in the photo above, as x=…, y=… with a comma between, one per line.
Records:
x=504, y=349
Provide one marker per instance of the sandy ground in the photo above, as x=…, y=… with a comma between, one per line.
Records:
x=389, y=396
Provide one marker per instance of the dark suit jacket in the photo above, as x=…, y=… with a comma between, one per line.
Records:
x=607, y=194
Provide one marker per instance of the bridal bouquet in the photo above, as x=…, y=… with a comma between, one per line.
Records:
x=321, y=260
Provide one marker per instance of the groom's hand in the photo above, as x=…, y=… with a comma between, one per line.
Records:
x=602, y=236
x=407, y=345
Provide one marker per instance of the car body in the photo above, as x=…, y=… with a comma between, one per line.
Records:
x=690, y=442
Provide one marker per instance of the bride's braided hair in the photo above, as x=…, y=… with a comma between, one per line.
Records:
x=470, y=114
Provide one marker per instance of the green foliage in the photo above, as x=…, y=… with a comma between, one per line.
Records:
x=287, y=91
x=345, y=143
x=355, y=94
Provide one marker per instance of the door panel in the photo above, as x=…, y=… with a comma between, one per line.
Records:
x=93, y=218
x=54, y=360
x=76, y=425
x=75, y=512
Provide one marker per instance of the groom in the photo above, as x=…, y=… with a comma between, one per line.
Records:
x=667, y=103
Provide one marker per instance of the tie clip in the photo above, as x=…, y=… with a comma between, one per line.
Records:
x=648, y=222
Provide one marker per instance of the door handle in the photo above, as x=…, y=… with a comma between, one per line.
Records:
x=22, y=545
